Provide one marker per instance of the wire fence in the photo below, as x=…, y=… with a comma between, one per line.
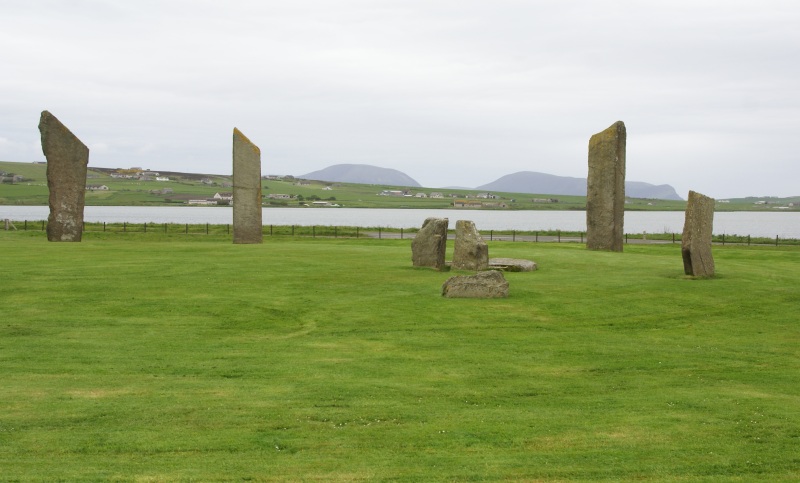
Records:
x=325, y=231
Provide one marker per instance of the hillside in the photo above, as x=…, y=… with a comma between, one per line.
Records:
x=533, y=182
x=362, y=174
x=26, y=184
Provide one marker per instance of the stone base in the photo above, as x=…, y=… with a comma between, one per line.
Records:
x=483, y=285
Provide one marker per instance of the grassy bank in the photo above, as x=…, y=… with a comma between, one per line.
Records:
x=161, y=358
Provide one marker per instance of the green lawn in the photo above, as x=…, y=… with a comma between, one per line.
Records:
x=147, y=358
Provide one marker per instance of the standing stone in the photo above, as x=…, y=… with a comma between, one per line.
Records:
x=471, y=252
x=482, y=285
x=67, y=158
x=605, y=191
x=429, y=246
x=696, y=239
x=247, y=224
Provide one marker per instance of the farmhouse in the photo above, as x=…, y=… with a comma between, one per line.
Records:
x=467, y=204
x=96, y=187
x=392, y=193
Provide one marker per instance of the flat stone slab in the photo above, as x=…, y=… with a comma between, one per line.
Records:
x=512, y=264
x=483, y=285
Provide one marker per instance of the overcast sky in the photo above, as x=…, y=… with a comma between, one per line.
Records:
x=452, y=93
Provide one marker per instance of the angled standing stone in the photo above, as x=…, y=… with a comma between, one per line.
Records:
x=471, y=252
x=67, y=158
x=696, y=239
x=605, y=190
x=247, y=222
x=429, y=246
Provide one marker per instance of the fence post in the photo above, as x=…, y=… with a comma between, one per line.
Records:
x=723, y=239
x=42, y=225
x=401, y=233
x=581, y=237
x=537, y=236
x=26, y=225
x=559, y=236
x=776, y=240
x=513, y=235
x=626, y=238
x=145, y=227
x=187, y=229
x=228, y=229
x=673, y=238
x=379, y=233
x=104, y=226
x=356, y=232
x=335, y=232
x=313, y=231
x=491, y=235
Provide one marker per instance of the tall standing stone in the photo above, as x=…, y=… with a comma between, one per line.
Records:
x=247, y=220
x=605, y=191
x=67, y=158
x=696, y=239
x=471, y=252
x=429, y=246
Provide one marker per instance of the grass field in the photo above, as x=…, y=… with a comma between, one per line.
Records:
x=150, y=358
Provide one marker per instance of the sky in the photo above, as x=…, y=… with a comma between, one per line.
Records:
x=450, y=92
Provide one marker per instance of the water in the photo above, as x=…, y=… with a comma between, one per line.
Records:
x=754, y=223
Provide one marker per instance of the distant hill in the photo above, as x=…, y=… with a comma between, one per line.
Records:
x=541, y=183
x=362, y=174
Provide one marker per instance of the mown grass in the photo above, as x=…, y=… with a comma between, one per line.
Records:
x=155, y=359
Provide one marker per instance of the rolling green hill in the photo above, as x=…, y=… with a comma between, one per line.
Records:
x=288, y=191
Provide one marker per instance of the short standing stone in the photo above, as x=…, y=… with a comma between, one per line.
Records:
x=247, y=221
x=696, y=239
x=429, y=245
x=67, y=158
x=470, y=252
x=482, y=285
x=605, y=190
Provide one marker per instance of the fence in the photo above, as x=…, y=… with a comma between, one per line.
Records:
x=315, y=231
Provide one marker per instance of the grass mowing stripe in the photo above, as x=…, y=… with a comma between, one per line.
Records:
x=304, y=359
